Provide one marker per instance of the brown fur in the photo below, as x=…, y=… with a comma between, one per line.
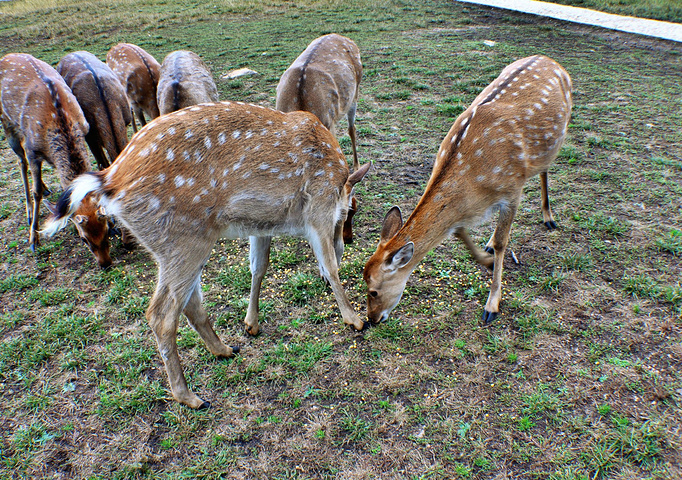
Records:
x=104, y=103
x=138, y=72
x=184, y=80
x=512, y=131
x=224, y=170
x=44, y=123
x=325, y=81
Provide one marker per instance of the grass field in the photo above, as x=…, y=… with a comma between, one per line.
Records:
x=667, y=10
x=579, y=377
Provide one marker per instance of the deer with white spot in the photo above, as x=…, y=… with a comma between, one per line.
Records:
x=44, y=123
x=184, y=80
x=222, y=170
x=512, y=131
x=325, y=81
x=138, y=72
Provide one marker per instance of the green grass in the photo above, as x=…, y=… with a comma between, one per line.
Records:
x=666, y=10
x=578, y=378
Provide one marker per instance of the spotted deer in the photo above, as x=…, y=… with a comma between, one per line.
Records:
x=512, y=131
x=222, y=170
x=44, y=123
x=103, y=101
x=184, y=80
x=138, y=72
x=325, y=80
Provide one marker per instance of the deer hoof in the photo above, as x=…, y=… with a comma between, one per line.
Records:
x=252, y=331
x=551, y=225
x=488, y=317
x=236, y=349
x=489, y=250
x=204, y=406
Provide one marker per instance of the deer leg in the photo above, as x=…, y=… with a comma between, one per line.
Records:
x=97, y=150
x=484, y=258
x=140, y=116
x=351, y=134
x=326, y=257
x=198, y=319
x=547, y=217
x=259, y=257
x=34, y=239
x=500, y=240
x=162, y=315
x=132, y=111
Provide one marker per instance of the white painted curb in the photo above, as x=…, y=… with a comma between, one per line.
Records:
x=640, y=26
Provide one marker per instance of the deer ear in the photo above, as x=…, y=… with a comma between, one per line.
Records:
x=80, y=219
x=393, y=221
x=359, y=174
x=401, y=258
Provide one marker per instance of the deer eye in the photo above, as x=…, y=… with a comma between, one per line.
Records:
x=373, y=293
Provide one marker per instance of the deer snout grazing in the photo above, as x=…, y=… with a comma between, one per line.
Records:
x=222, y=170
x=512, y=131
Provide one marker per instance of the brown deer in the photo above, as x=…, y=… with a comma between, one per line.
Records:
x=138, y=72
x=104, y=103
x=512, y=131
x=222, y=170
x=184, y=80
x=44, y=123
x=325, y=80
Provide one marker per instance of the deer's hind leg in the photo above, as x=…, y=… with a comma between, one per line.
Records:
x=547, y=217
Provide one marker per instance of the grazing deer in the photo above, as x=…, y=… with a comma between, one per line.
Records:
x=222, y=170
x=512, y=131
x=138, y=72
x=325, y=80
x=104, y=103
x=44, y=123
x=184, y=80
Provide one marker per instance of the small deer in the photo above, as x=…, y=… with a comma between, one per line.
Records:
x=44, y=123
x=104, y=103
x=184, y=80
x=325, y=80
x=512, y=131
x=222, y=170
x=138, y=72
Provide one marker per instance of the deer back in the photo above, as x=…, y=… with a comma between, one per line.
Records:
x=227, y=170
x=184, y=80
x=102, y=98
x=138, y=72
x=323, y=80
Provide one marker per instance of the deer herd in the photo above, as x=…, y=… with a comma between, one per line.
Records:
x=203, y=169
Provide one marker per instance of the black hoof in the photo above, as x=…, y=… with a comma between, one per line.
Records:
x=488, y=317
x=33, y=248
x=113, y=232
x=236, y=349
x=365, y=325
x=551, y=225
x=489, y=250
x=205, y=405
x=129, y=247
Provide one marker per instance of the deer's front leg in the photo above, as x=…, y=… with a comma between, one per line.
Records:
x=259, y=258
x=326, y=257
x=162, y=315
x=198, y=318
